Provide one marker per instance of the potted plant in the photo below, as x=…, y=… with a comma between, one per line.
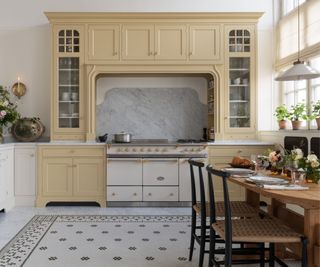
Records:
x=281, y=114
x=297, y=114
x=315, y=113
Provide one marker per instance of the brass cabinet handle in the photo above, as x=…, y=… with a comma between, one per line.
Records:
x=160, y=178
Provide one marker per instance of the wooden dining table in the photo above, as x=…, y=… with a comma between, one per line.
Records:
x=307, y=224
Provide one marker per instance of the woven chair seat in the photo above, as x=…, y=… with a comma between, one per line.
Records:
x=238, y=209
x=258, y=230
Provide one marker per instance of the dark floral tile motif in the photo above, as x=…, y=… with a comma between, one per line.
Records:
x=85, y=258
x=118, y=225
x=132, y=248
x=43, y=248
x=156, y=232
x=162, y=248
x=117, y=239
x=102, y=248
x=182, y=259
x=173, y=239
x=145, y=239
x=72, y=248
x=166, y=225
x=62, y=239
x=130, y=232
x=90, y=239
x=79, y=232
x=117, y=258
x=142, y=225
x=52, y=258
x=69, y=225
x=93, y=225
x=105, y=232
x=53, y=232
x=182, y=232
x=149, y=258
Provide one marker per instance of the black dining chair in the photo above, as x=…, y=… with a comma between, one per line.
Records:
x=258, y=231
x=201, y=207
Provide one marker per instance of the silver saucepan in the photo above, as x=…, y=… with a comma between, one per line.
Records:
x=122, y=137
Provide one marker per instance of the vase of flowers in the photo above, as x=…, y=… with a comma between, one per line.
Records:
x=311, y=165
x=8, y=111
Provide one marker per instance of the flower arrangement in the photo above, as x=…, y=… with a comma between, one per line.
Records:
x=282, y=159
x=8, y=110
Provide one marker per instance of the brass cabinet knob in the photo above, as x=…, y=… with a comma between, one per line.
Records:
x=113, y=194
x=171, y=194
x=149, y=194
x=135, y=194
x=31, y=155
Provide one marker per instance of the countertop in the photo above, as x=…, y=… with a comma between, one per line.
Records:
x=138, y=143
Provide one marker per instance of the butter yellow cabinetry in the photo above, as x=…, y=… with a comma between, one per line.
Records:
x=71, y=173
x=103, y=42
x=67, y=101
x=221, y=155
x=240, y=75
x=154, y=42
x=205, y=42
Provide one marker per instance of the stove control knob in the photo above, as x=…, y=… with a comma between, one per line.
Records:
x=191, y=149
x=142, y=149
x=119, y=150
x=156, y=150
x=149, y=149
x=126, y=150
x=134, y=150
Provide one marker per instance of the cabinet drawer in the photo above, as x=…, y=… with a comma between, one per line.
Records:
x=124, y=193
x=160, y=172
x=231, y=151
x=73, y=151
x=160, y=193
x=124, y=171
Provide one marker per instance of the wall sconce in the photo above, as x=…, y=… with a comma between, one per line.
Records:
x=19, y=89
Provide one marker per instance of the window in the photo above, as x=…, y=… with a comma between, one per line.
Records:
x=289, y=5
x=303, y=91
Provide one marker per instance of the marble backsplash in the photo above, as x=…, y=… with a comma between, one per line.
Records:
x=152, y=113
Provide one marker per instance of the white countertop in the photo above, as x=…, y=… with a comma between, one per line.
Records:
x=240, y=143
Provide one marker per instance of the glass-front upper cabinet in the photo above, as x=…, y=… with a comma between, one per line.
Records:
x=67, y=89
x=240, y=80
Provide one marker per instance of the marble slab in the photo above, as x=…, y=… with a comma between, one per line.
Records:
x=152, y=113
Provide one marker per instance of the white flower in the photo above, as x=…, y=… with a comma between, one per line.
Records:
x=5, y=103
x=297, y=154
x=315, y=164
x=312, y=157
x=3, y=113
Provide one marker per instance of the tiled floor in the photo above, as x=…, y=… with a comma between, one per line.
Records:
x=13, y=220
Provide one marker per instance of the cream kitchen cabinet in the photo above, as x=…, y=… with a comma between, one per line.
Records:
x=67, y=101
x=240, y=98
x=154, y=42
x=103, y=42
x=205, y=42
x=71, y=174
x=6, y=178
x=25, y=175
x=221, y=155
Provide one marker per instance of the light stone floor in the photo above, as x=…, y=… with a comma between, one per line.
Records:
x=15, y=219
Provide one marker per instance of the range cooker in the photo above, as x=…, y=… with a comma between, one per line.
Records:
x=151, y=172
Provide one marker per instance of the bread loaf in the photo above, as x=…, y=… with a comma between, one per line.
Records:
x=239, y=161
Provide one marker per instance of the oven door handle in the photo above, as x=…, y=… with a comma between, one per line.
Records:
x=160, y=160
x=127, y=159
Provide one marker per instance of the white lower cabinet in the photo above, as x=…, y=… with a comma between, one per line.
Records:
x=6, y=178
x=124, y=193
x=137, y=179
x=25, y=175
x=160, y=193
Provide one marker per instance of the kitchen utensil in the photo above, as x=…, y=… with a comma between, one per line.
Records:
x=122, y=137
x=103, y=138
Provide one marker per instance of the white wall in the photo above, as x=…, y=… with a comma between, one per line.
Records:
x=25, y=41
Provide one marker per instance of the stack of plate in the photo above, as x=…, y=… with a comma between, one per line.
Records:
x=265, y=180
x=239, y=172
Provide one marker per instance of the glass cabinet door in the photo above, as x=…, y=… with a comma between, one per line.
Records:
x=239, y=92
x=68, y=87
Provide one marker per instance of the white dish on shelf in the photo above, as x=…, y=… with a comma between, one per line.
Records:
x=238, y=171
x=266, y=180
x=64, y=115
x=75, y=115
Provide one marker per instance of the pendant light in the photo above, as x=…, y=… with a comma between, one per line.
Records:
x=299, y=71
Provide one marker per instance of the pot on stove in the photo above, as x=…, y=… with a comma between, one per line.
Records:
x=122, y=137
